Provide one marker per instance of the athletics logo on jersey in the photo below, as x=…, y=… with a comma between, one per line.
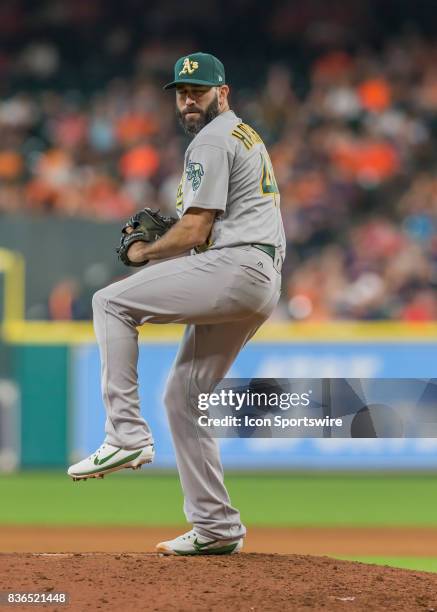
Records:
x=188, y=67
x=195, y=172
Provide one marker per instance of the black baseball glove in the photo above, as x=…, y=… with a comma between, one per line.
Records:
x=147, y=226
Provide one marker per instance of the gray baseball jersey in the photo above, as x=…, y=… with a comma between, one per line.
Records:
x=227, y=168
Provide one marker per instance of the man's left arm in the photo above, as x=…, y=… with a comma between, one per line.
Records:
x=192, y=230
x=205, y=195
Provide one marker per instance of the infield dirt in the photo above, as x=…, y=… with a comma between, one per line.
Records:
x=248, y=581
x=334, y=541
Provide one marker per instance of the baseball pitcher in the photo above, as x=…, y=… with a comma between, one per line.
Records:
x=229, y=220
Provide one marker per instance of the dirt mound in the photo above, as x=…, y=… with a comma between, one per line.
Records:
x=248, y=581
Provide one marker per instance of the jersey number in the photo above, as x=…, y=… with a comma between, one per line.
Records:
x=268, y=181
x=180, y=196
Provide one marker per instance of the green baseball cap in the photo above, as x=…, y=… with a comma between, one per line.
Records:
x=198, y=69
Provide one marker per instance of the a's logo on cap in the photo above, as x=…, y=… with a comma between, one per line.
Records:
x=189, y=66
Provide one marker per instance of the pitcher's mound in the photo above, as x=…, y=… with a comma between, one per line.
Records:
x=138, y=582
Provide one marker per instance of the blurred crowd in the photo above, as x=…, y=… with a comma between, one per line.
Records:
x=352, y=133
x=356, y=161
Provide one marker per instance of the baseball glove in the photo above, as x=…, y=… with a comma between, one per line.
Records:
x=147, y=226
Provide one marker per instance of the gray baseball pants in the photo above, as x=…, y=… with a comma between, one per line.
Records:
x=223, y=296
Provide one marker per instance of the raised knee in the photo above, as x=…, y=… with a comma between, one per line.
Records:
x=99, y=300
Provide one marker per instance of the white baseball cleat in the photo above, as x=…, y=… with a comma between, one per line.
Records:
x=191, y=543
x=109, y=459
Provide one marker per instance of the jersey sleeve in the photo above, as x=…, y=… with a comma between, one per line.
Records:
x=206, y=180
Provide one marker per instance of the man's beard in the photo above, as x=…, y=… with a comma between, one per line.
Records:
x=193, y=126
